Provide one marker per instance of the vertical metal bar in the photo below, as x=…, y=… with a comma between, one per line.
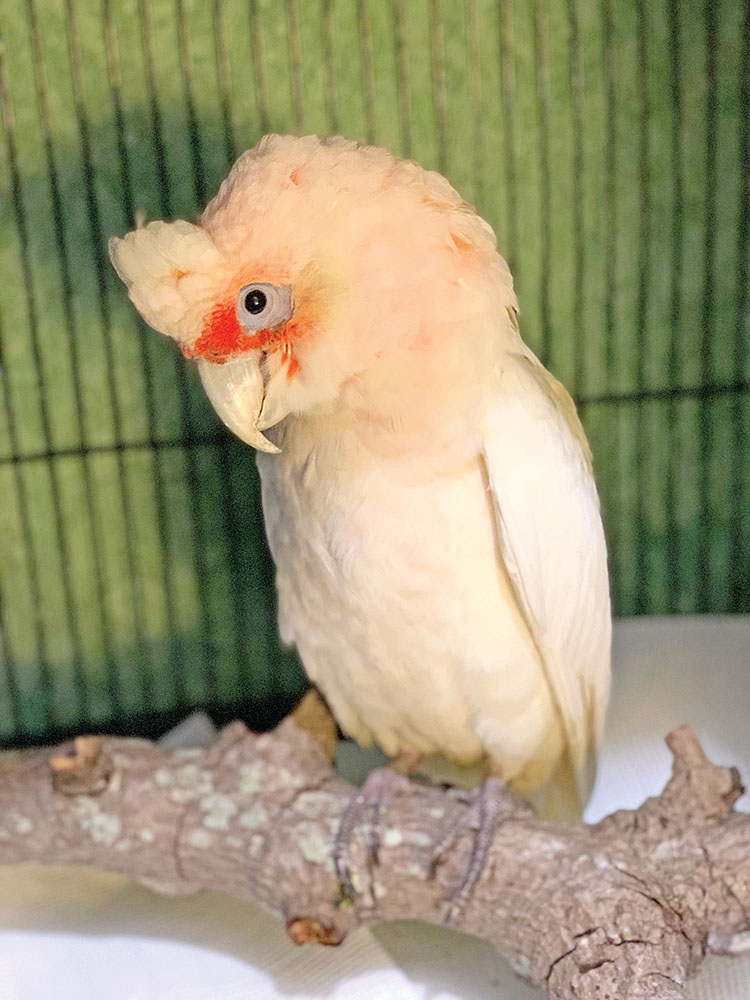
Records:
x=739, y=558
x=507, y=87
x=259, y=67
x=247, y=669
x=402, y=77
x=329, y=67
x=236, y=569
x=194, y=133
x=704, y=589
x=474, y=82
x=641, y=599
x=541, y=66
x=8, y=120
x=157, y=131
x=610, y=190
x=675, y=310
x=128, y=203
x=609, y=75
x=368, y=76
x=23, y=503
x=175, y=648
x=225, y=83
x=295, y=63
x=96, y=232
x=437, y=74
x=9, y=673
x=69, y=323
x=576, y=106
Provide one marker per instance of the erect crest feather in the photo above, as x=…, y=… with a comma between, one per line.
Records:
x=165, y=267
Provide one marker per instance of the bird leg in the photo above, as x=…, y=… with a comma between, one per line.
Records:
x=489, y=808
x=378, y=788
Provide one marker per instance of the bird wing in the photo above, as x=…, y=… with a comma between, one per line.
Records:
x=551, y=540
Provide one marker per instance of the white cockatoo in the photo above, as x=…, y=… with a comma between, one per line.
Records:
x=427, y=485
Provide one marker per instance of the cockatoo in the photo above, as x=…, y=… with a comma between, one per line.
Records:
x=427, y=486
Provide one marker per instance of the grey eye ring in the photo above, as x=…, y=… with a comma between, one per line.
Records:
x=262, y=306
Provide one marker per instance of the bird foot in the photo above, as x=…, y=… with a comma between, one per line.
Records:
x=489, y=807
x=367, y=805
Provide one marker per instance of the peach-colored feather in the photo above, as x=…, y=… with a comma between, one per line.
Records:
x=432, y=513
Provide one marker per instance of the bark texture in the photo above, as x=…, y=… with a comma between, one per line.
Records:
x=622, y=910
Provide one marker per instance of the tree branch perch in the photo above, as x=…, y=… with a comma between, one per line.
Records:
x=625, y=909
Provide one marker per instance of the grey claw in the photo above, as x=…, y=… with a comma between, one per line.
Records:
x=379, y=787
x=484, y=814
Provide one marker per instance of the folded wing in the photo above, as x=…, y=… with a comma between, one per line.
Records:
x=551, y=539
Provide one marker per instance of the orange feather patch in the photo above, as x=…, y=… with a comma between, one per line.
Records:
x=289, y=359
x=223, y=338
x=293, y=369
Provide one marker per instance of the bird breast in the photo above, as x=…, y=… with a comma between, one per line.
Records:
x=390, y=586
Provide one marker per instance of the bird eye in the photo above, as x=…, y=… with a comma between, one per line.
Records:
x=255, y=301
x=261, y=306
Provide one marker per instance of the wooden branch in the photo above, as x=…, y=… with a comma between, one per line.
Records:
x=622, y=910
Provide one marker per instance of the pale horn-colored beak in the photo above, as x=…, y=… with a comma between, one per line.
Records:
x=275, y=400
x=237, y=392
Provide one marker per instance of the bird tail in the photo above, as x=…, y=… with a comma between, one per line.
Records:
x=564, y=796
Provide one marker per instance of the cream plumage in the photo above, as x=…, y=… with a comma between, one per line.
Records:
x=427, y=486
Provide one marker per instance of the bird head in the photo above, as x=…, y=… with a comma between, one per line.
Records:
x=319, y=272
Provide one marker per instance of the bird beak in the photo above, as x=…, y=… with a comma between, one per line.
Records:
x=238, y=394
x=275, y=400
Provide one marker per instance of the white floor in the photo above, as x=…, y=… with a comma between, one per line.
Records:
x=75, y=934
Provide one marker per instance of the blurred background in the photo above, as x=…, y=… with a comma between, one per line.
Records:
x=608, y=143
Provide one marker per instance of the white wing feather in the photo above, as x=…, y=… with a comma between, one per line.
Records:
x=552, y=541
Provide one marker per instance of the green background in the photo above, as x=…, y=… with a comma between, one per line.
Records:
x=608, y=142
